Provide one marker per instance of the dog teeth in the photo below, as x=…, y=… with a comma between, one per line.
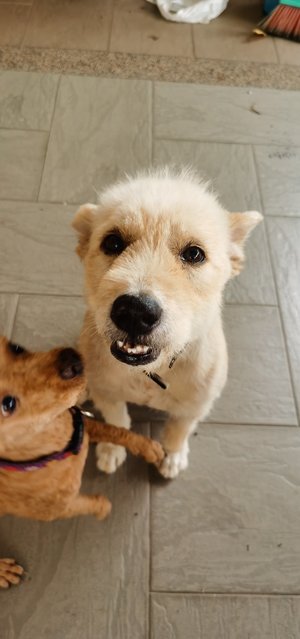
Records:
x=139, y=349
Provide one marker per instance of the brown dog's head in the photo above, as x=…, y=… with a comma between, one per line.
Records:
x=35, y=387
x=158, y=251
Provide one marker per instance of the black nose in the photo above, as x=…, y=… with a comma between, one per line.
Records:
x=69, y=364
x=135, y=314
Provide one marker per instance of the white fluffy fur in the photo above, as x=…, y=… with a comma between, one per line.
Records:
x=159, y=214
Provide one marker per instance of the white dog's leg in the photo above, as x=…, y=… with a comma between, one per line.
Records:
x=109, y=456
x=175, y=442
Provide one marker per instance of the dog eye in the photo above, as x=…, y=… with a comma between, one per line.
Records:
x=16, y=349
x=192, y=255
x=8, y=405
x=113, y=244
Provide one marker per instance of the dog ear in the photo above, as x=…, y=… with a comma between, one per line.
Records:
x=241, y=225
x=83, y=224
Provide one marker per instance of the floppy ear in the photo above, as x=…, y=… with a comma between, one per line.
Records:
x=241, y=225
x=83, y=224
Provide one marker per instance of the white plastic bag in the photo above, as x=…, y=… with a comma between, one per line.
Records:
x=190, y=10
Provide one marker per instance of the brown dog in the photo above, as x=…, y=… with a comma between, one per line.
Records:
x=43, y=442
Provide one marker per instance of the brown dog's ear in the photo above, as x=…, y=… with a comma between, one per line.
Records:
x=83, y=224
x=241, y=225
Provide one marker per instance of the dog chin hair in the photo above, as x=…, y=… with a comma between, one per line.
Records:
x=165, y=356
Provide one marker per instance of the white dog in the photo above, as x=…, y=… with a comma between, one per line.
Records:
x=158, y=250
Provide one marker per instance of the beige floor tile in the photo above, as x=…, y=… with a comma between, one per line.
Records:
x=279, y=174
x=288, y=52
x=139, y=28
x=255, y=283
x=69, y=25
x=47, y=321
x=285, y=247
x=27, y=99
x=230, y=522
x=227, y=114
x=217, y=617
x=101, y=128
x=8, y=307
x=21, y=163
x=13, y=22
x=38, y=250
x=259, y=387
x=231, y=169
x=86, y=578
x=230, y=36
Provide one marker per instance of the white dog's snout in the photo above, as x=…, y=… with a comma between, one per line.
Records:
x=136, y=314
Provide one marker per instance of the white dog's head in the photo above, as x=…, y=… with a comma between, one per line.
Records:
x=158, y=250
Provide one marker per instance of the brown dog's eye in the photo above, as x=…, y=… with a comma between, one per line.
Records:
x=8, y=405
x=113, y=244
x=16, y=349
x=192, y=255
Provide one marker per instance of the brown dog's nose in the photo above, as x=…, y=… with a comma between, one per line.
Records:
x=69, y=364
x=136, y=314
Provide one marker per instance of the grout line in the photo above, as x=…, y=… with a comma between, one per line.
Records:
x=66, y=204
x=234, y=593
x=111, y=27
x=246, y=424
x=12, y=324
x=50, y=130
x=152, y=122
x=150, y=550
x=48, y=202
x=27, y=24
x=18, y=130
x=251, y=304
x=144, y=420
x=276, y=52
x=285, y=341
x=285, y=338
x=193, y=42
x=258, y=182
x=282, y=217
x=40, y=294
x=166, y=138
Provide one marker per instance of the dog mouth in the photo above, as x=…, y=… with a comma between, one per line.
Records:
x=134, y=354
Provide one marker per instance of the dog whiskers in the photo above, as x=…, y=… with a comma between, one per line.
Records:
x=90, y=328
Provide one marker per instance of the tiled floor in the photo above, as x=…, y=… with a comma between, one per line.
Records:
x=135, y=26
x=214, y=554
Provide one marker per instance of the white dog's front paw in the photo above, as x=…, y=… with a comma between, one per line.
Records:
x=173, y=463
x=109, y=457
